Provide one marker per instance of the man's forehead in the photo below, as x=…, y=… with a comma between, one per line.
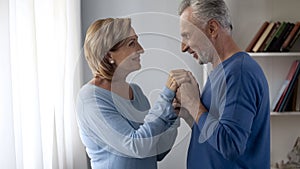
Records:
x=186, y=25
x=186, y=19
x=186, y=14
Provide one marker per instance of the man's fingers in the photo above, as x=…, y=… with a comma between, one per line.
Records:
x=182, y=76
x=177, y=71
x=182, y=79
x=193, y=79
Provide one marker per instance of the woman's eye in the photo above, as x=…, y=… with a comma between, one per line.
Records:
x=132, y=43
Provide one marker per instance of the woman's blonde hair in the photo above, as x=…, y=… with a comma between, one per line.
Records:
x=102, y=36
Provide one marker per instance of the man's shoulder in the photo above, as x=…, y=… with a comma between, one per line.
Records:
x=244, y=62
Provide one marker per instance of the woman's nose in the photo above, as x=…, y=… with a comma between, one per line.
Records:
x=140, y=48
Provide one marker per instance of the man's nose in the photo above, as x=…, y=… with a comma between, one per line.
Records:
x=184, y=47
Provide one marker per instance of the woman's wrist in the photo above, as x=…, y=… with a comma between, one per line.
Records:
x=171, y=84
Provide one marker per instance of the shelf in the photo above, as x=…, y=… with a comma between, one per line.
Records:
x=285, y=113
x=275, y=54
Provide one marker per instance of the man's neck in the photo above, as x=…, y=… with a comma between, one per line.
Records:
x=225, y=49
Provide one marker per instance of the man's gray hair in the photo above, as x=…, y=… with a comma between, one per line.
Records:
x=204, y=10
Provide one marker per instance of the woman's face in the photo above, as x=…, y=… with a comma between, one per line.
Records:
x=127, y=57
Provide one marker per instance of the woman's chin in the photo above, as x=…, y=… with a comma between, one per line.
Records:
x=134, y=68
x=137, y=67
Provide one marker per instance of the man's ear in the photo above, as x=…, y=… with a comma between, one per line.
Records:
x=213, y=28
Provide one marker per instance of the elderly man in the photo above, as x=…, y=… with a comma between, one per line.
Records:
x=231, y=127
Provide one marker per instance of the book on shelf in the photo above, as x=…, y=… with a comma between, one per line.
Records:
x=276, y=37
x=295, y=44
x=280, y=102
x=291, y=87
x=257, y=35
x=270, y=46
x=293, y=103
x=285, y=45
x=269, y=37
x=263, y=37
x=297, y=106
x=282, y=36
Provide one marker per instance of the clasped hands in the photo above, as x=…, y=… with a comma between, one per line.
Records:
x=187, y=102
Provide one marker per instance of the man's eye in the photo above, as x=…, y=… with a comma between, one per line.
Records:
x=186, y=36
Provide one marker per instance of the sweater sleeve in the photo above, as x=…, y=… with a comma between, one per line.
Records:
x=167, y=140
x=101, y=122
x=227, y=126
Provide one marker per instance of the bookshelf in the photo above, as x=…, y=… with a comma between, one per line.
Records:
x=284, y=125
x=247, y=18
x=285, y=114
x=275, y=54
x=276, y=67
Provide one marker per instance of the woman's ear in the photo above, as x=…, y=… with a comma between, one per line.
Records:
x=110, y=58
x=109, y=54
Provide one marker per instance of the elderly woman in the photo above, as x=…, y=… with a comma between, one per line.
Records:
x=116, y=124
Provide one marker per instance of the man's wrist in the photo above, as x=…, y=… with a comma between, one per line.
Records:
x=198, y=116
x=193, y=109
x=198, y=111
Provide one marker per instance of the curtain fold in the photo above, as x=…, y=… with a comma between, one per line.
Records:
x=6, y=117
x=40, y=77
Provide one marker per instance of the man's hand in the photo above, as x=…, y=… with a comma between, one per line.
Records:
x=176, y=78
x=188, y=96
x=183, y=113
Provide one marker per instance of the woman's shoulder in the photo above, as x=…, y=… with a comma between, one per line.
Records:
x=90, y=91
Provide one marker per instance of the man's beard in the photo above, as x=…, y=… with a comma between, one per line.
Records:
x=202, y=57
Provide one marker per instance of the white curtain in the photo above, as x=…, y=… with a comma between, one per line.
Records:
x=40, y=49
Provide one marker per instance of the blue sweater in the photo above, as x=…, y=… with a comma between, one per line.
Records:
x=235, y=133
x=125, y=134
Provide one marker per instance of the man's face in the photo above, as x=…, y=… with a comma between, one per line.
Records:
x=194, y=39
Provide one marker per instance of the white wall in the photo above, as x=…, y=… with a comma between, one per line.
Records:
x=157, y=24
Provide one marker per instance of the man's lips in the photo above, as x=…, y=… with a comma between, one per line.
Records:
x=194, y=55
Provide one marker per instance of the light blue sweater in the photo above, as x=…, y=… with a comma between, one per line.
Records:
x=125, y=134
